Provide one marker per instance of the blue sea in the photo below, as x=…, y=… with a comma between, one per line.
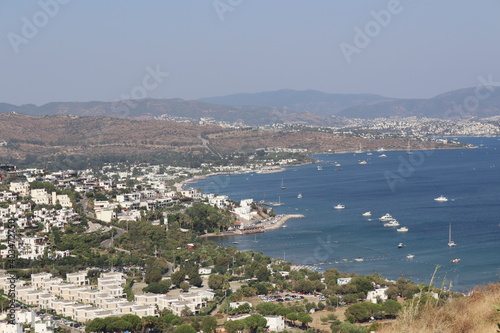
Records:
x=401, y=184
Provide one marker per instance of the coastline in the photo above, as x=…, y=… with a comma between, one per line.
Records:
x=268, y=224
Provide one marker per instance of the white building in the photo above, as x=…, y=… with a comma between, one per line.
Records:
x=21, y=187
x=374, y=295
x=40, y=196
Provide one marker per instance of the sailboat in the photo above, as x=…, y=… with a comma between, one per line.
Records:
x=282, y=184
x=408, y=150
x=450, y=242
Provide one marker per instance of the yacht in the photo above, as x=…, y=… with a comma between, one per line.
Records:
x=299, y=196
x=367, y=214
x=382, y=155
x=337, y=164
x=284, y=226
x=408, y=150
x=282, y=184
x=392, y=223
x=381, y=150
x=339, y=206
x=450, y=242
x=455, y=260
x=400, y=245
x=410, y=256
x=441, y=198
x=236, y=242
x=359, y=259
x=369, y=154
x=402, y=229
x=320, y=168
x=387, y=217
x=362, y=162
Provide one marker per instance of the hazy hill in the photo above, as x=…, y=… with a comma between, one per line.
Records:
x=299, y=101
x=149, y=109
x=455, y=104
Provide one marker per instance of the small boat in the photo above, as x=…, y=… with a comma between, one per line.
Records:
x=369, y=154
x=387, y=217
x=337, y=164
x=338, y=169
x=400, y=245
x=402, y=229
x=392, y=223
x=339, y=206
x=441, y=198
x=450, y=242
x=381, y=150
x=408, y=150
x=455, y=260
x=236, y=242
x=410, y=256
x=359, y=259
x=320, y=168
x=367, y=214
x=299, y=196
x=282, y=184
x=382, y=155
x=363, y=162
x=284, y=226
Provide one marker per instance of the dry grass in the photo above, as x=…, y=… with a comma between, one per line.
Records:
x=472, y=314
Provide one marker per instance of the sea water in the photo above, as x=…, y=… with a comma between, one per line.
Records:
x=401, y=184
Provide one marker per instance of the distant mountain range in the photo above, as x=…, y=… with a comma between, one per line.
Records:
x=291, y=106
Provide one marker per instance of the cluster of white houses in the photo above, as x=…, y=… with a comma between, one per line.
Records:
x=74, y=298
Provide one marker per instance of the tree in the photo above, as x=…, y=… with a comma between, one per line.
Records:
x=292, y=316
x=216, y=281
x=361, y=312
x=184, y=286
x=96, y=325
x=391, y=307
x=185, y=328
x=208, y=324
x=304, y=318
x=254, y=322
x=266, y=308
x=134, y=320
x=233, y=326
x=178, y=277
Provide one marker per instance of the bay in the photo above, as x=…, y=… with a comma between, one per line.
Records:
x=400, y=184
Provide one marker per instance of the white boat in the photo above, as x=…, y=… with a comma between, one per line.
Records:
x=363, y=162
x=381, y=150
x=441, y=198
x=402, y=229
x=383, y=155
x=387, y=217
x=369, y=154
x=282, y=184
x=410, y=256
x=299, y=196
x=408, y=150
x=284, y=226
x=392, y=223
x=359, y=259
x=339, y=206
x=367, y=214
x=450, y=242
x=337, y=164
x=236, y=242
x=455, y=260
x=320, y=168
x=400, y=245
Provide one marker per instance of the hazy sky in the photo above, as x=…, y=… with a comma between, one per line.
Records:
x=109, y=50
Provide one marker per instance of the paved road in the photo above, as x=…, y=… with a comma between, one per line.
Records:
x=107, y=242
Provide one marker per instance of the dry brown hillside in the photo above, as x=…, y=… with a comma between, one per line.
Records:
x=90, y=136
x=473, y=314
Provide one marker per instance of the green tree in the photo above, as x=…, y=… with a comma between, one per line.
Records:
x=216, y=281
x=361, y=312
x=233, y=326
x=254, y=322
x=134, y=320
x=96, y=325
x=208, y=324
x=266, y=308
x=178, y=277
x=184, y=328
x=304, y=318
x=184, y=286
x=391, y=307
